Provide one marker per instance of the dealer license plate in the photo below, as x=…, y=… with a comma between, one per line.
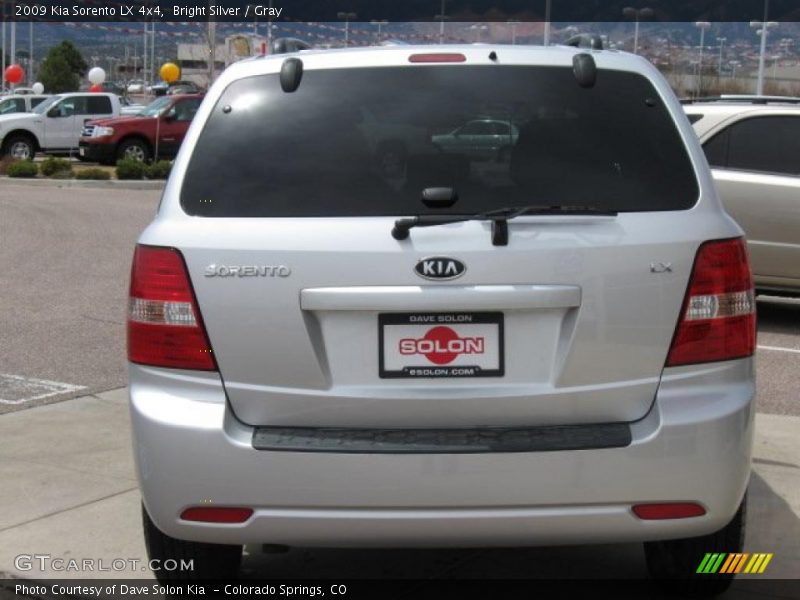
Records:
x=441, y=344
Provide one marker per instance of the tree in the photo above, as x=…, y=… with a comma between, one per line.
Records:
x=62, y=69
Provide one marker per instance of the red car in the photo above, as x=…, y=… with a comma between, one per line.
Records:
x=155, y=133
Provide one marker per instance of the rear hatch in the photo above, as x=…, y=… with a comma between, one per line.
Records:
x=317, y=316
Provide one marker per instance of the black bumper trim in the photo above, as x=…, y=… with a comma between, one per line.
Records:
x=442, y=441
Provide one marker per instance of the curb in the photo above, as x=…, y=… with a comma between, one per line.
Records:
x=132, y=184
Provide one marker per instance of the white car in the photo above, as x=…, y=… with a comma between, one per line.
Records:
x=136, y=87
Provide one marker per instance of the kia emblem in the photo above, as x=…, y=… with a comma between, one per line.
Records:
x=440, y=268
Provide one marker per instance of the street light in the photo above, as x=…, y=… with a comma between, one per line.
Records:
x=380, y=25
x=734, y=64
x=513, y=24
x=702, y=26
x=637, y=14
x=721, y=41
x=347, y=17
x=762, y=27
x=441, y=17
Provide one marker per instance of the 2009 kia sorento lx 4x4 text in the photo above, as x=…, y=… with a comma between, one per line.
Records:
x=549, y=346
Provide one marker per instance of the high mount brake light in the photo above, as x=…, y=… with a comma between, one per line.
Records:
x=718, y=320
x=437, y=57
x=165, y=328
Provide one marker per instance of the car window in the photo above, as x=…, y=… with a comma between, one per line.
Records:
x=184, y=110
x=74, y=105
x=356, y=142
x=37, y=100
x=765, y=144
x=98, y=105
x=12, y=105
x=694, y=118
x=499, y=128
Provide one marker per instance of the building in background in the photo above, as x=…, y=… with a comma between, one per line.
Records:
x=193, y=58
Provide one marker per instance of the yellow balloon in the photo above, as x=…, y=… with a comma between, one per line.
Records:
x=170, y=72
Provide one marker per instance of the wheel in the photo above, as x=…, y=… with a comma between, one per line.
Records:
x=20, y=147
x=210, y=561
x=135, y=149
x=674, y=563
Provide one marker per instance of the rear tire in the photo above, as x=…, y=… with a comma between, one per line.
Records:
x=673, y=563
x=211, y=561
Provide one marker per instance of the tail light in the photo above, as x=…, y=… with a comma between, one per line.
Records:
x=165, y=328
x=672, y=510
x=718, y=321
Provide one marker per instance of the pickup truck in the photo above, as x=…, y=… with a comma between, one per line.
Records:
x=55, y=125
x=156, y=132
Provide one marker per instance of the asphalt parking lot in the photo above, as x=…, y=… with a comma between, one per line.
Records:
x=64, y=260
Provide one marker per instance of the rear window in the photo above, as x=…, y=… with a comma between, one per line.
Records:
x=368, y=141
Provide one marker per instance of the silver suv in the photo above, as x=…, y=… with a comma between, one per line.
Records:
x=552, y=347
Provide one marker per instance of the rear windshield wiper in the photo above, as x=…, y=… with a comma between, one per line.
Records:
x=498, y=217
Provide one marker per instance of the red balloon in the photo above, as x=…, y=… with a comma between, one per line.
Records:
x=96, y=87
x=14, y=74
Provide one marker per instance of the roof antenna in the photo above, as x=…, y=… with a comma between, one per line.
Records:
x=584, y=69
x=291, y=74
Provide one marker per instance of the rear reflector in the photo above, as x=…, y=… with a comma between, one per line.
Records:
x=164, y=324
x=718, y=320
x=440, y=57
x=217, y=514
x=655, y=512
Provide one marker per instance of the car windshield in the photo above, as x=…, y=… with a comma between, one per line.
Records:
x=367, y=141
x=155, y=107
x=44, y=106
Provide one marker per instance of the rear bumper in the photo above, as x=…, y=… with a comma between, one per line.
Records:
x=693, y=446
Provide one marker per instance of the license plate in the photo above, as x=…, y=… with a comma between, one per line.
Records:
x=82, y=151
x=459, y=344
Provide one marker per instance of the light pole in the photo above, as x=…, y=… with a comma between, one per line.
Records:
x=347, y=17
x=637, y=14
x=380, y=25
x=513, y=24
x=441, y=17
x=702, y=26
x=547, y=7
x=721, y=41
x=734, y=64
x=762, y=27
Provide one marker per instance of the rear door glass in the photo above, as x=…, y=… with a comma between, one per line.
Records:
x=764, y=144
x=367, y=141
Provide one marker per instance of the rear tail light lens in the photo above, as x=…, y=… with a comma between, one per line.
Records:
x=217, y=514
x=718, y=320
x=165, y=328
x=672, y=510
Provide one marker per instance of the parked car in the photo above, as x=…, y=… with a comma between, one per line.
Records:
x=752, y=144
x=55, y=125
x=556, y=349
x=156, y=132
x=159, y=89
x=130, y=108
x=136, y=86
x=20, y=104
x=183, y=87
x=480, y=139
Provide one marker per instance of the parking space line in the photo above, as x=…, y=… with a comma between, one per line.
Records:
x=15, y=389
x=779, y=349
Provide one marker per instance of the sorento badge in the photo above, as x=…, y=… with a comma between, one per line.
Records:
x=440, y=268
